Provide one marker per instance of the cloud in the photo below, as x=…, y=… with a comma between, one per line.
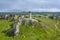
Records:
x=26, y=5
x=45, y=10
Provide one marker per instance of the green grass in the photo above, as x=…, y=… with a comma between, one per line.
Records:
x=48, y=32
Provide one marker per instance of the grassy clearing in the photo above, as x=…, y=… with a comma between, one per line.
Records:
x=48, y=32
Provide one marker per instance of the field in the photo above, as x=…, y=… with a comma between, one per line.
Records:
x=48, y=32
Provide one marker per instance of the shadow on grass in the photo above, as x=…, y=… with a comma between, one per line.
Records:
x=9, y=32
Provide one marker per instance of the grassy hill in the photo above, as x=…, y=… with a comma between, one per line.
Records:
x=48, y=32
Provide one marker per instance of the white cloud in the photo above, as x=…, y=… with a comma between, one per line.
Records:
x=45, y=10
x=33, y=5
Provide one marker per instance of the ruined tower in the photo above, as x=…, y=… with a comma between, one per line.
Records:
x=30, y=15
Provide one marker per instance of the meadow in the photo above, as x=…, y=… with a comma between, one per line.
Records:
x=48, y=32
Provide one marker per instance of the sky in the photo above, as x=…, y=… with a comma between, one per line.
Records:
x=30, y=5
